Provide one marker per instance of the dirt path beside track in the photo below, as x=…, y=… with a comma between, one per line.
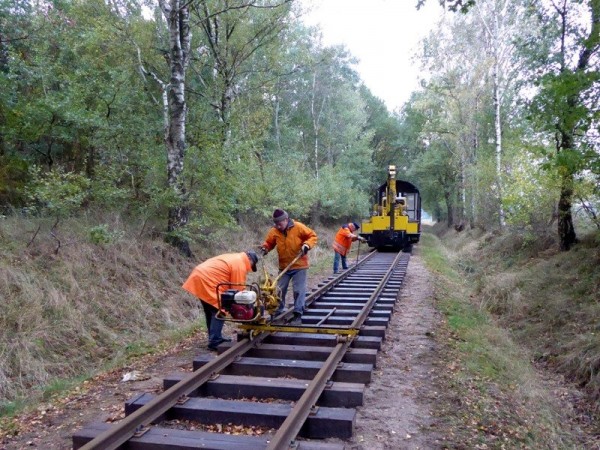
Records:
x=397, y=413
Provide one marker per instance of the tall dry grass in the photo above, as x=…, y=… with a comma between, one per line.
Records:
x=496, y=385
x=70, y=307
x=549, y=299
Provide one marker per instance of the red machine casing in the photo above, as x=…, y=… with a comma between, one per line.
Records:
x=242, y=312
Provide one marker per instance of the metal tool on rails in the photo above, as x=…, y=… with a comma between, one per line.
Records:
x=251, y=303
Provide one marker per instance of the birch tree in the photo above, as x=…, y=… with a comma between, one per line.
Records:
x=176, y=14
x=236, y=35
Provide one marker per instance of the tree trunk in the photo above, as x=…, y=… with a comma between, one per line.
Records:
x=462, y=199
x=316, y=118
x=498, y=138
x=496, y=31
x=315, y=214
x=177, y=16
x=566, y=229
x=277, y=130
x=449, y=208
x=498, y=124
x=474, y=155
x=4, y=58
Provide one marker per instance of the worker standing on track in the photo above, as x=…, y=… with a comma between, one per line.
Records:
x=342, y=243
x=290, y=237
x=203, y=281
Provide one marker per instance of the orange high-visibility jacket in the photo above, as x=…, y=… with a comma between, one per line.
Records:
x=344, y=238
x=227, y=268
x=289, y=243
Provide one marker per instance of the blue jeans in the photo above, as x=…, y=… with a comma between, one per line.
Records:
x=298, y=277
x=213, y=326
x=336, y=262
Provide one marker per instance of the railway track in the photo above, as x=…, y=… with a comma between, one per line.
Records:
x=298, y=385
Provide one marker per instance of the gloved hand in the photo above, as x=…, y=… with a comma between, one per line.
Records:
x=264, y=251
x=362, y=239
x=305, y=249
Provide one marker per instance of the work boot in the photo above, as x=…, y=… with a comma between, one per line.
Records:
x=297, y=319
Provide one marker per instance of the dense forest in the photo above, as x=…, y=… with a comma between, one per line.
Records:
x=194, y=115
x=135, y=133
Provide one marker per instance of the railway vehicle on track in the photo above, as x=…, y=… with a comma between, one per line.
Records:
x=395, y=221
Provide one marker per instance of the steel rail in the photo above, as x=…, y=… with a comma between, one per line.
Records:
x=122, y=431
x=291, y=426
x=364, y=312
x=285, y=436
x=335, y=281
x=333, y=329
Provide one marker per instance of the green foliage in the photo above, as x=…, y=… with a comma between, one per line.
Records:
x=106, y=193
x=530, y=195
x=138, y=348
x=13, y=178
x=8, y=409
x=562, y=100
x=77, y=104
x=56, y=192
x=179, y=235
x=101, y=234
x=566, y=102
x=59, y=386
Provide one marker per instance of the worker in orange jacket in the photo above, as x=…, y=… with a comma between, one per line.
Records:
x=203, y=281
x=290, y=237
x=343, y=241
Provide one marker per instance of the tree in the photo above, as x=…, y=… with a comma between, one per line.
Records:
x=453, y=5
x=236, y=35
x=568, y=101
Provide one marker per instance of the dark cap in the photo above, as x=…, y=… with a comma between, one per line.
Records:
x=253, y=257
x=279, y=215
x=356, y=226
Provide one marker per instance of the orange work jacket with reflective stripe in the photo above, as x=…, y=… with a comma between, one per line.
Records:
x=289, y=243
x=344, y=238
x=226, y=268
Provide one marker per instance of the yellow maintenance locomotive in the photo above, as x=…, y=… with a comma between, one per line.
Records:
x=395, y=221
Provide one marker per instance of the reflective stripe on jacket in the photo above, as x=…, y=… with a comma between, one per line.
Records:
x=289, y=243
x=344, y=238
x=227, y=268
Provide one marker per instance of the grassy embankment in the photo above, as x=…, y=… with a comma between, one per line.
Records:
x=510, y=305
x=78, y=298
x=72, y=308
